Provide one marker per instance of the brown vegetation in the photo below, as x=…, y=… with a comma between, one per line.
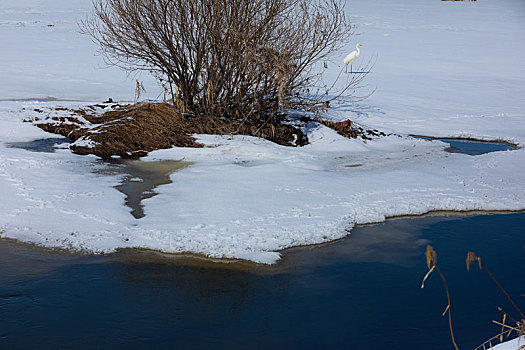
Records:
x=227, y=67
x=509, y=324
x=235, y=59
x=347, y=129
x=134, y=130
x=131, y=131
x=431, y=257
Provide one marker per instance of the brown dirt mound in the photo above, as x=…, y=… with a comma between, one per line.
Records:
x=134, y=130
x=347, y=129
x=131, y=131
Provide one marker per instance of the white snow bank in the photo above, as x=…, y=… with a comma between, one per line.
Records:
x=436, y=74
x=514, y=344
x=248, y=198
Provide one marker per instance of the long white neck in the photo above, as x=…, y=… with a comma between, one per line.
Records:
x=357, y=48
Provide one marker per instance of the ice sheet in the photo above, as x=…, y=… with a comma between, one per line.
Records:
x=442, y=69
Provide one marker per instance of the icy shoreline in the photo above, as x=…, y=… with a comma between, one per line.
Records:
x=248, y=198
x=245, y=198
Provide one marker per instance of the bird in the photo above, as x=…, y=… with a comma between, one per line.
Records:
x=350, y=58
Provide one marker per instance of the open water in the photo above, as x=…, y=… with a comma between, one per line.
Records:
x=362, y=292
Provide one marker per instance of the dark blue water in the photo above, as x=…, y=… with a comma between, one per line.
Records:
x=471, y=147
x=362, y=292
x=41, y=145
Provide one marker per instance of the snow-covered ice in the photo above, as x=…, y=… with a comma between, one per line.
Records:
x=443, y=69
x=514, y=344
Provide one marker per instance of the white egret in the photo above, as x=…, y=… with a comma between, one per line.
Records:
x=350, y=58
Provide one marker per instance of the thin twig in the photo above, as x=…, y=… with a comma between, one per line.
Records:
x=503, y=290
x=448, y=308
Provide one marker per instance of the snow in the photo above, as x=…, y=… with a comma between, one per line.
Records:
x=445, y=69
x=44, y=57
x=247, y=198
x=513, y=344
x=442, y=69
x=85, y=142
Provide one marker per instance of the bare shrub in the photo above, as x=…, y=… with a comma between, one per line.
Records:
x=231, y=58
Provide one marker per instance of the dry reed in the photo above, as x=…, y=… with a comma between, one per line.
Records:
x=431, y=257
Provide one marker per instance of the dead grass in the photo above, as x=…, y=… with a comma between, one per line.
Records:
x=431, y=257
x=131, y=131
x=509, y=325
x=515, y=325
x=134, y=130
